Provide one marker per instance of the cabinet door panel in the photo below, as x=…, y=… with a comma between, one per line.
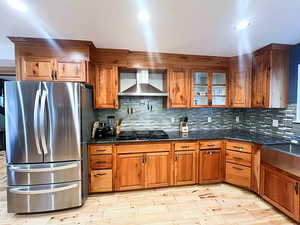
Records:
x=261, y=66
x=37, y=68
x=71, y=71
x=240, y=81
x=185, y=167
x=157, y=171
x=106, y=87
x=130, y=172
x=210, y=168
x=281, y=190
x=179, y=88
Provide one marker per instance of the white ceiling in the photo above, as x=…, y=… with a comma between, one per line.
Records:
x=176, y=26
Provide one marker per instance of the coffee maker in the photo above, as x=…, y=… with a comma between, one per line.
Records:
x=104, y=129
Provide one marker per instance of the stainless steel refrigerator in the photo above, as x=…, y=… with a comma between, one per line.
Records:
x=47, y=128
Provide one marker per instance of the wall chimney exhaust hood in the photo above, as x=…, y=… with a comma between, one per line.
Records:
x=143, y=86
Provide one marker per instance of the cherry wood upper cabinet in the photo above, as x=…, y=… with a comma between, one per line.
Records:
x=270, y=76
x=185, y=167
x=39, y=59
x=240, y=81
x=280, y=190
x=106, y=87
x=157, y=170
x=210, y=168
x=179, y=91
x=37, y=68
x=70, y=70
x=209, y=88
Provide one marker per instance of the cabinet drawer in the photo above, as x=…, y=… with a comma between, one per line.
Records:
x=101, y=161
x=241, y=158
x=210, y=144
x=186, y=146
x=101, y=181
x=239, y=146
x=238, y=175
x=100, y=149
x=140, y=148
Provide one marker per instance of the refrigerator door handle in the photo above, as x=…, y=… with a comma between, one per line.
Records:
x=35, y=121
x=45, y=191
x=51, y=169
x=42, y=121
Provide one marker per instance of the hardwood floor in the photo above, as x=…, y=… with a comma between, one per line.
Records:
x=185, y=205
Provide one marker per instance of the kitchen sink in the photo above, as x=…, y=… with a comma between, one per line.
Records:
x=285, y=156
x=287, y=147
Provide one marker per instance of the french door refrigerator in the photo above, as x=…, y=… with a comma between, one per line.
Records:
x=47, y=129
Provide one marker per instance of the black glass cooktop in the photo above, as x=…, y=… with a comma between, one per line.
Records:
x=143, y=134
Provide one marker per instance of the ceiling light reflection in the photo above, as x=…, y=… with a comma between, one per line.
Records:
x=17, y=5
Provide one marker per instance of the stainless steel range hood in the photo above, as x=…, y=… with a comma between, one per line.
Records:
x=142, y=86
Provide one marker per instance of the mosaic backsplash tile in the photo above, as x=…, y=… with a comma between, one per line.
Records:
x=165, y=119
x=255, y=120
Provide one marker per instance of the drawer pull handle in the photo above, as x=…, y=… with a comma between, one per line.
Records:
x=238, y=147
x=100, y=150
x=99, y=162
x=211, y=145
x=185, y=146
x=237, y=158
x=236, y=168
x=99, y=174
x=296, y=188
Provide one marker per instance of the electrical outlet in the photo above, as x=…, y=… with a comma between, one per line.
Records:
x=275, y=123
x=173, y=120
x=209, y=119
x=237, y=119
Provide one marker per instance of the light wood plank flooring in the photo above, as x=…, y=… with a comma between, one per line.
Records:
x=187, y=205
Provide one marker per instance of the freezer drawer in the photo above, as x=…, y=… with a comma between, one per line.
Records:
x=46, y=173
x=41, y=198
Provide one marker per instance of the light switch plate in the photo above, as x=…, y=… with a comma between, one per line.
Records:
x=275, y=123
x=172, y=120
x=209, y=119
x=237, y=119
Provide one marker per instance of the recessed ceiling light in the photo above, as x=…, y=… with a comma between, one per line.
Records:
x=144, y=16
x=242, y=25
x=17, y=5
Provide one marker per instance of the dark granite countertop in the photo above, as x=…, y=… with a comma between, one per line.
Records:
x=240, y=135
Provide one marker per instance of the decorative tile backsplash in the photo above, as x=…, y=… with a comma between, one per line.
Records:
x=165, y=119
x=260, y=121
x=256, y=120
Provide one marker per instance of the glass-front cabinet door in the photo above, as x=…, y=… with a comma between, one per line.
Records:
x=209, y=89
x=219, y=89
x=200, y=88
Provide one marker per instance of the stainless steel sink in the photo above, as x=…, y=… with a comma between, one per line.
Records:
x=283, y=156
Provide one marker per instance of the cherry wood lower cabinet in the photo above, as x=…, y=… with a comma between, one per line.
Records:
x=100, y=168
x=238, y=163
x=280, y=190
x=130, y=172
x=157, y=169
x=101, y=180
x=210, y=166
x=145, y=170
x=185, y=167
